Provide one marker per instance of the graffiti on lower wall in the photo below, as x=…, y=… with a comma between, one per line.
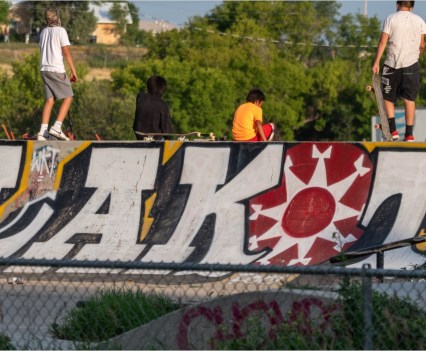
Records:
x=232, y=322
x=205, y=202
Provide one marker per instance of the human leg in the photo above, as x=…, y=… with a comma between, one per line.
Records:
x=391, y=81
x=410, y=111
x=58, y=86
x=45, y=117
x=56, y=129
x=269, y=130
x=390, y=111
x=409, y=90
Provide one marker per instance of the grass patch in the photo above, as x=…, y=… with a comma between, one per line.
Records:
x=111, y=313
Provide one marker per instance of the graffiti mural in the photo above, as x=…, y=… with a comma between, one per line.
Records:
x=205, y=202
x=314, y=214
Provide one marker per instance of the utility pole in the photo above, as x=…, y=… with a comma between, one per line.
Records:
x=365, y=9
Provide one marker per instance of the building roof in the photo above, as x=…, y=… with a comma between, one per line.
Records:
x=156, y=26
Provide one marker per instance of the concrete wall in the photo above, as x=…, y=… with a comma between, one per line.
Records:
x=210, y=202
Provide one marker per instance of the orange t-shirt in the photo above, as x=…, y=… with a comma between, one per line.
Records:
x=243, y=126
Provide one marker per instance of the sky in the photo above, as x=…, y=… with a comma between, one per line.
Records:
x=178, y=11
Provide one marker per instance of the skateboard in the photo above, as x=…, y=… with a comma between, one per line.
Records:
x=384, y=124
x=178, y=136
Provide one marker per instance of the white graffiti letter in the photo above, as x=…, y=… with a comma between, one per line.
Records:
x=118, y=173
x=10, y=161
x=400, y=173
x=204, y=169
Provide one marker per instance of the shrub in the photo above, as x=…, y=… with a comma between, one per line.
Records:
x=397, y=324
x=111, y=313
x=5, y=343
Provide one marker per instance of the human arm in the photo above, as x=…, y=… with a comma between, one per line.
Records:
x=422, y=44
x=259, y=129
x=380, y=50
x=66, y=53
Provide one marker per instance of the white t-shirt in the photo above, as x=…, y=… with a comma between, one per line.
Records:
x=52, y=39
x=405, y=30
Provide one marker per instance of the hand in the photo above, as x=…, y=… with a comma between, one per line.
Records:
x=73, y=78
x=376, y=69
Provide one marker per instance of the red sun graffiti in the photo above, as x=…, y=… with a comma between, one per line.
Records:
x=314, y=214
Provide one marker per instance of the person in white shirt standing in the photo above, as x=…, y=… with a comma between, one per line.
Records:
x=54, y=44
x=403, y=32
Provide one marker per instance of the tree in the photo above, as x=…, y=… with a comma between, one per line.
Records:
x=201, y=98
x=119, y=12
x=22, y=97
x=75, y=17
x=132, y=35
x=4, y=11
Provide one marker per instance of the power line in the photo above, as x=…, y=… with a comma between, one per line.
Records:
x=285, y=42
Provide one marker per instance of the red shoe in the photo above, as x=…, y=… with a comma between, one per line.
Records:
x=409, y=138
x=395, y=135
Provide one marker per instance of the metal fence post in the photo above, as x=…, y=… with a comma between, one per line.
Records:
x=367, y=307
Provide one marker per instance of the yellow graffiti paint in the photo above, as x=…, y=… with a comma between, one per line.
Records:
x=422, y=246
x=371, y=146
x=147, y=221
x=24, y=179
x=170, y=148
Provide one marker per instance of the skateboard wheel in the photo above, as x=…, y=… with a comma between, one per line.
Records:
x=369, y=88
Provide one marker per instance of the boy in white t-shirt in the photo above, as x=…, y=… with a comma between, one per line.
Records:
x=403, y=32
x=54, y=44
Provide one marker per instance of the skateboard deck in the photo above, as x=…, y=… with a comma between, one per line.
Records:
x=178, y=136
x=384, y=124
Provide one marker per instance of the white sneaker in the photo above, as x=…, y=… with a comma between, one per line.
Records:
x=58, y=134
x=43, y=136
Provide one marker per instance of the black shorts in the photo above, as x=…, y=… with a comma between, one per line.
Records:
x=401, y=83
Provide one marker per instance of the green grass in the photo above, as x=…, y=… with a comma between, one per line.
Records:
x=111, y=313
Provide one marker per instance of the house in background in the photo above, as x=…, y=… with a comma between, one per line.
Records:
x=105, y=32
x=156, y=26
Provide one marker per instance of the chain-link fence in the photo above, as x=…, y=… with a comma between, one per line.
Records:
x=135, y=305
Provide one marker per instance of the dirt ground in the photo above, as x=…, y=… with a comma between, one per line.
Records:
x=93, y=74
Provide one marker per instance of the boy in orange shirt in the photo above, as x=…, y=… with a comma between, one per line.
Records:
x=247, y=124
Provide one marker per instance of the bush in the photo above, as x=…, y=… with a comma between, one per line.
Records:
x=5, y=343
x=397, y=324
x=111, y=313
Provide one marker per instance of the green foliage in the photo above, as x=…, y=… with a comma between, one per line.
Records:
x=313, y=92
x=111, y=313
x=22, y=97
x=75, y=17
x=201, y=98
x=5, y=343
x=97, y=109
x=134, y=36
x=4, y=10
x=118, y=14
x=397, y=324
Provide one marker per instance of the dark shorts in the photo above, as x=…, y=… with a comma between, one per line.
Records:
x=401, y=83
x=56, y=85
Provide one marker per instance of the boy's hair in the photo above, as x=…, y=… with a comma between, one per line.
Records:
x=156, y=85
x=409, y=4
x=255, y=95
x=51, y=15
